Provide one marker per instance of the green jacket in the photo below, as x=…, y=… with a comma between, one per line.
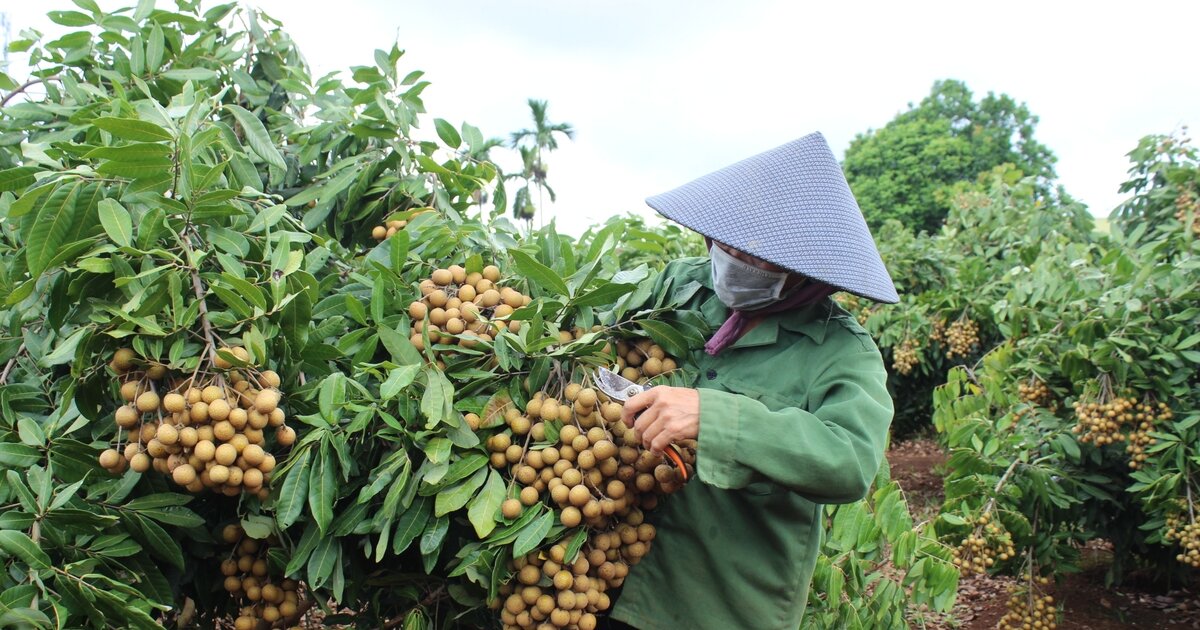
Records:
x=792, y=416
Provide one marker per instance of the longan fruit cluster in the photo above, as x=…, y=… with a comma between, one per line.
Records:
x=1145, y=416
x=1029, y=609
x=264, y=600
x=938, y=332
x=962, y=337
x=388, y=228
x=1185, y=532
x=463, y=308
x=641, y=360
x=1036, y=392
x=987, y=544
x=1099, y=422
x=1185, y=207
x=202, y=433
x=597, y=475
x=904, y=357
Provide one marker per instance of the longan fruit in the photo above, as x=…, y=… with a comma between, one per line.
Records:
x=198, y=412
x=183, y=475
x=174, y=403
x=127, y=417
x=285, y=436
x=218, y=410
x=110, y=458
x=226, y=454
x=224, y=431
x=205, y=450
x=442, y=277
x=510, y=508
x=571, y=517
x=252, y=478
x=467, y=293
x=529, y=496
x=266, y=401
x=438, y=298
x=218, y=474
x=122, y=360
x=489, y=297
x=147, y=402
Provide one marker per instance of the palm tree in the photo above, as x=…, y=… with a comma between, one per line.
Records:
x=532, y=143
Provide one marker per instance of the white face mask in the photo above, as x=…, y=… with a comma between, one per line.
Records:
x=742, y=286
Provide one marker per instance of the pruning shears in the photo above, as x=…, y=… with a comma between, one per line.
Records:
x=621, y=389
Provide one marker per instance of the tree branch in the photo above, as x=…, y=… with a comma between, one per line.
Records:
x=10, y=365
x=24, y=86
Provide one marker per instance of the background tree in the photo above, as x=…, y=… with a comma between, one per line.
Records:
x=532, y=143
x=902, y=170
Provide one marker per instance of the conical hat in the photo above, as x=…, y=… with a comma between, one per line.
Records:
x=790, y=206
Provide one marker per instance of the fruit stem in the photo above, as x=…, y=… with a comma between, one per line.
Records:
x=198, y=289
x=8, y=367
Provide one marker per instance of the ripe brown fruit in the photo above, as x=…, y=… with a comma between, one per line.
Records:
x=491, y=273
x=442, y=277
x=183, y=475
x=110, y=458
x=174, y=403
x=285, y=436
x=147, y=402
x=122, y=360
x=126, y=417
x=511, y=508
x=266, y=401
x=226, y=454
x=571, y=516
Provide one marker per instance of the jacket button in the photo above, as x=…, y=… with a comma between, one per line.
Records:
x=711, y=374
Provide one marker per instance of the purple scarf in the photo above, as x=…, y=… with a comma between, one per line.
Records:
x=739, y=321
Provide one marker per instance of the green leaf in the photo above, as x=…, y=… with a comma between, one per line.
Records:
x=397, y=380
x=191, y=74
x=49, y=230
x=138, y=152
x=666, y=336
x=437, y=403
x=454, y=497
x=411, y=524
x=14, y=179
x=322, y=489
x=64, y=352
x=399, y=346
x=116, y=222
x=133, y=129
x=267, y=218
x=19, y=545
x=604, y=294
x=398, y=245
x=294, y=491
x=18, y=456
x=159, y=542
x=256, y=135
x=447, y=133
x=575, y=545
x=320, y=563
x=484, y=508
x=533, y=535
x=434, y=535
x=540, y=275
x=70, y=18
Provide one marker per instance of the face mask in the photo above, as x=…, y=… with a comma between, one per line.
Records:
x=742, y=286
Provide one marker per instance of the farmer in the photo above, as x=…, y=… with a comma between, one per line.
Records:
x=790, y=410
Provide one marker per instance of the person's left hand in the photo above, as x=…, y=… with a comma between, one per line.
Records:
x=669, y=414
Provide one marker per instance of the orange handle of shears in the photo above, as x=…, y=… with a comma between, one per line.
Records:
x=678, y=461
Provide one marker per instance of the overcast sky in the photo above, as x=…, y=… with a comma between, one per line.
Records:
x=661, y=92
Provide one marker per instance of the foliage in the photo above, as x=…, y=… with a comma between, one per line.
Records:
x=902, y=170
x=184, y=186
x=854, y=584
x=1121, y=322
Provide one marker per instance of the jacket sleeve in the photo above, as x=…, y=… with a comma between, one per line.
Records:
x=829, y=455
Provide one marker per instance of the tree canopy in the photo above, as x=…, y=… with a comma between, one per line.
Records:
x=902, y=170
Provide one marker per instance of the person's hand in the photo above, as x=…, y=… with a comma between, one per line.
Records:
x=668, y=414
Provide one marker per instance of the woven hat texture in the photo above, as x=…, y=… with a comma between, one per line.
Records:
x=790, y=206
